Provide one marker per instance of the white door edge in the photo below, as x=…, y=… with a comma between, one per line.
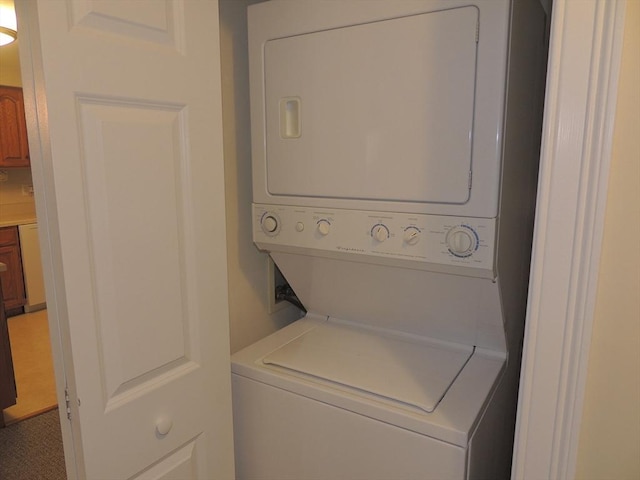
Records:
x=41, y=168
x=584, y=61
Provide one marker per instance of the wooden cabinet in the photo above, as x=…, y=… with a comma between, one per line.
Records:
x=14, y=146
x=7, y=377
x=12, y=280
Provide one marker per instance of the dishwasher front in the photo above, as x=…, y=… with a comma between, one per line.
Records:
x=32, y=267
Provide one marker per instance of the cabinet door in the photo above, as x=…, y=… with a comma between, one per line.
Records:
x=7, y=378
x=12, y=280
x=14, y=147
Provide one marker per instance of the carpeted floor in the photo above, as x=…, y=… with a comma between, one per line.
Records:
x=32, y=449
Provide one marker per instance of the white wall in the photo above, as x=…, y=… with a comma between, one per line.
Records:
x=609, y=446
x=10, y=65
x=249, y=319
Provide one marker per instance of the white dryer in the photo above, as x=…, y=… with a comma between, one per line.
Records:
x=395, y=148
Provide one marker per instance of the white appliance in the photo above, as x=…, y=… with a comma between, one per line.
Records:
x=32, y=267
x=395, y=150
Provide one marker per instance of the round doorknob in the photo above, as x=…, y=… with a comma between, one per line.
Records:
x=163, y=425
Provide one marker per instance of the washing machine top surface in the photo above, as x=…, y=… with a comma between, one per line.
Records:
x=401, y=368
x=457, y=381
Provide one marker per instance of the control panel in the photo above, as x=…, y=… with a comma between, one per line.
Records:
x=435, y=239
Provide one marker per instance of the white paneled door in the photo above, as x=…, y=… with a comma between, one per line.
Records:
x=124, y=109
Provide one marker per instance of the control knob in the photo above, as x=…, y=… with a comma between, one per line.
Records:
x=411, y=235
x=324, y=227
x=380, y=232
x=462, y=241
x=270, y=224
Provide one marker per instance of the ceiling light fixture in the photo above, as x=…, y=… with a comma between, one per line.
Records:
x=7, y=35
x=8, y=24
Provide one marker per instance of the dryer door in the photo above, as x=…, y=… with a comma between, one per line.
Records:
x=377, y=111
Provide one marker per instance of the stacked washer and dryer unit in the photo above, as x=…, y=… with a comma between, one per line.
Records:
x=395, y=148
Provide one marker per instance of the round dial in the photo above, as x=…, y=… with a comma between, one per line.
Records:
x=324, y=227
x=411, y=235
x=270, y=223
x=380, y=232
x=462, y=241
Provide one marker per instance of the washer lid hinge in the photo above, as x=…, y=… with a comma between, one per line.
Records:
x=67, y=402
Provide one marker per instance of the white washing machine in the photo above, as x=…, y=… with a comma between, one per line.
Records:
x=395, y=148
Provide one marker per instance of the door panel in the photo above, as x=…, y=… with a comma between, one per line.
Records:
x=8, y=392
x=177, y=465
x=156, y=21
x=135, y=208
x=141, y=235
x=12, y=279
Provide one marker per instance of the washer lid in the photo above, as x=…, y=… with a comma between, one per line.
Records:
x=409, y=370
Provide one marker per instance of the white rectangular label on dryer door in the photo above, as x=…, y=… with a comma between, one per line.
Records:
x=383, y=111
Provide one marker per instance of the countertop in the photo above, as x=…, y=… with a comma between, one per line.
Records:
x=13, y=214
x=12, y=221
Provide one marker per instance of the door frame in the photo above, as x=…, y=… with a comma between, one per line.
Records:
x=580, y=106
x=584, y=61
